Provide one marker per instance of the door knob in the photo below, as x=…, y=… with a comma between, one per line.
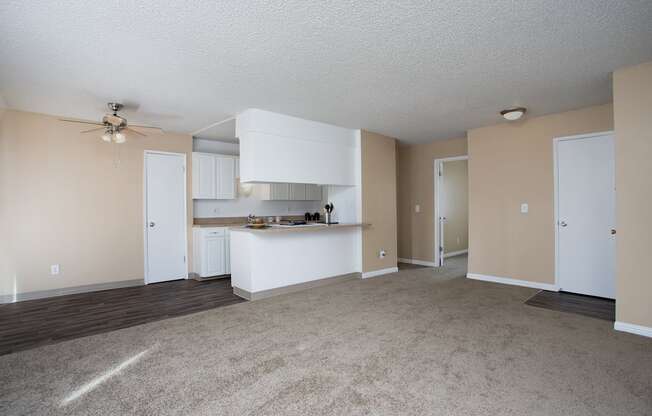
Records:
x=562, y=223
x=152, y=224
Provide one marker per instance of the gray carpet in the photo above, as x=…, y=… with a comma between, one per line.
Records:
x=418, y=342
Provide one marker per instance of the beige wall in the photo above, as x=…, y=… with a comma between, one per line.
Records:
x=416, y=184
x=65, y=201
x=378, y=201
x=509, y=164
x=633, y=125
x=454, y=205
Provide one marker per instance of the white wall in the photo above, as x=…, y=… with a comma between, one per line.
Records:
x=279, y=148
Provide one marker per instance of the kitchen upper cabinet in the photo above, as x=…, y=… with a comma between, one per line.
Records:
x=226, y=178
x=288, y=192
x=279, y=191
x=203, y=176
x=213, y=176
x=313, y=192
x=297, y=192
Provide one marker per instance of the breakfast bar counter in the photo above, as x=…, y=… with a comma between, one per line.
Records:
x=286, y=258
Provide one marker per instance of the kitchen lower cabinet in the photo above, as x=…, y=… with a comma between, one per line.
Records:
x=211, y=251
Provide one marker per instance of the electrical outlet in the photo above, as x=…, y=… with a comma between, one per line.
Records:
x=216, y=210
x=524, y=208
x=382, y=254
x=54, y=269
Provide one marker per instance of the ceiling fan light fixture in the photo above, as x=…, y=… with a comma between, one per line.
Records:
x=513, y=114
x=107, y=136
x=119, y=137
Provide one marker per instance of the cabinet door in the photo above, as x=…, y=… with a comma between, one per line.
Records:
x=227, y=252
x=297, y=192
x=214, y=257
x=313, y=192
x=279, y=191
x=225, y=178
x=203, y=176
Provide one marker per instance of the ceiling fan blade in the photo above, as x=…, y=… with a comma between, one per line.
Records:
x=144, y=127
x=95, y=129
x=134, y=131
x=80, y=121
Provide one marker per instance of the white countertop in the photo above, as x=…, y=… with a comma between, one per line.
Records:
x=279, y=228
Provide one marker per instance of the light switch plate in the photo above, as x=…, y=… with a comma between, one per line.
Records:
x=417, y=208
x=524, y=208
x=54, y=269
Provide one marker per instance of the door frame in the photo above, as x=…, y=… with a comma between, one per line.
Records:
x=184, y=157
x=437, y=188
x=555, y=146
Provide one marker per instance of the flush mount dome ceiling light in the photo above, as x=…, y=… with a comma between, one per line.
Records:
x=513, y=114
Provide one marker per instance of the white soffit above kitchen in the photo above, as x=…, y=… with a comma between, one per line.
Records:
x=418, y=70
x=223, y=130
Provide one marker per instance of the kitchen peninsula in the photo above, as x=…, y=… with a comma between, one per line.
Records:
x=277, y=259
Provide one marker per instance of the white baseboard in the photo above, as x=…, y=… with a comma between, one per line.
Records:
x=69, y=290
x=515, y=282
x=418, y=262
x=455, y=253
x=380, y=272
x=644, y=331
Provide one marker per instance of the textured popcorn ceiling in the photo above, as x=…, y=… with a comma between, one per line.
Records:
x=418, y=70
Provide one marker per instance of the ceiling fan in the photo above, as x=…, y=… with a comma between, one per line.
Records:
x=114, y=125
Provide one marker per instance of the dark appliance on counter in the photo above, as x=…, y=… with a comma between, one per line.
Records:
x=312, y=217
x=293, y=222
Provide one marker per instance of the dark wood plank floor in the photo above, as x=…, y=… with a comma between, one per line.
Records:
x=408, y=266
x=33, y=323
x=592, y=306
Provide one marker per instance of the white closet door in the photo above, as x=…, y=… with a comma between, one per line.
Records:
x=165, y=216
x=586, y=215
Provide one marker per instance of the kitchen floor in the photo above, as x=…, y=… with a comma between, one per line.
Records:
x=38, y=322
x=418, y=342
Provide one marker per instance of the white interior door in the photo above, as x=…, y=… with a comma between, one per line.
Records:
x=441, y=218
x=165, y=216
x=586, y=215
